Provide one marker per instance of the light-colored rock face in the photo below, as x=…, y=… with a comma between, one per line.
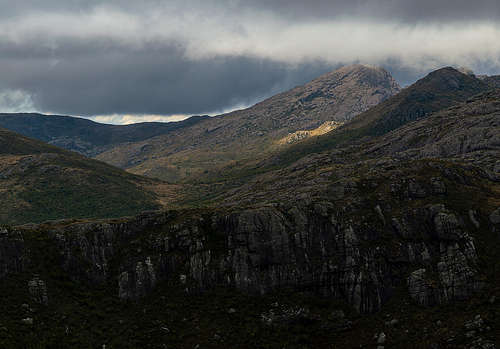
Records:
x=336, y=96
x=298, y=136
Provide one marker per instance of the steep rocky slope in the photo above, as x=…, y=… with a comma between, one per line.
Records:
x=438, y=90
x=467, y=133
x=247, y=135
x=493, y=81
x=40, y=182
x=85, y=136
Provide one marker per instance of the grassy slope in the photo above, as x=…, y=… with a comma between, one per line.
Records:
x=40, y=182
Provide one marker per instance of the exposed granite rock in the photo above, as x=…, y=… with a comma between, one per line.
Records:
x=314, y=247
x=447, y=226
x=495, y=216
x=137, y=282
x=481, y=343
x=38, y=290
x=473, y=219
x=27, y=321
x=12, y=252
x=420, y=288
x=456, y=275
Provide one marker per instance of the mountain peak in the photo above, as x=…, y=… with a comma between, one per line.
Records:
x=450, y=79
x=335, y=96
x=364, y=75
x=466, y=71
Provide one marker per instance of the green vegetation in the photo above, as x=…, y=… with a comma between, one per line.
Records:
x=41, y=182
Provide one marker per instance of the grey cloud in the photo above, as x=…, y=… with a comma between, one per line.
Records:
x=409, y=10
x=154, y=80
x=190, y=57
x=404, y=10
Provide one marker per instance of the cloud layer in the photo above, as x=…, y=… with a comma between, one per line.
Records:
x=191, y=57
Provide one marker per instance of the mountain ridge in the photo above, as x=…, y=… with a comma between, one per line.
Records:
x=245, y=135
x=436, y=91
x=86, y=136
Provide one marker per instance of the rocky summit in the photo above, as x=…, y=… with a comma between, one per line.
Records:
x=381, y=232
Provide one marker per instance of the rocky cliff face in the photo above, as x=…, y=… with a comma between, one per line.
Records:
x=12, y=252
x=330, y=250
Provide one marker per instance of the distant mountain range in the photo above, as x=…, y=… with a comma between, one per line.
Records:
x=85, y=136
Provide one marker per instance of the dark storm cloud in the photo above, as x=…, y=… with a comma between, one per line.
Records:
x=409, y=10
x=150, y=81
x=189, y=57
x=404, y=10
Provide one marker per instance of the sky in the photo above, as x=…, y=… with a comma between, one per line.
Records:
x=150, y=60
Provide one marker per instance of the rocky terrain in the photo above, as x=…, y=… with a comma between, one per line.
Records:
x=40, y=182
x=383, y=233
x=466, y=134
x=394, y=244
x=298, y=136
x=436, y=91
x=84, y=136
x=246, y=136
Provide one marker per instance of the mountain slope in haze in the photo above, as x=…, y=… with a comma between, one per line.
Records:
x=41, y=182
x=493, y=81
x=85, y=136
x=438, y=90
x=247, y=135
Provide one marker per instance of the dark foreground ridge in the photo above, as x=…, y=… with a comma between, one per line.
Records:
x=424, y=244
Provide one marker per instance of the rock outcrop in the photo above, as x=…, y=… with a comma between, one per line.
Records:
x=38, y=290
x=314, y=247
x=13, y=258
